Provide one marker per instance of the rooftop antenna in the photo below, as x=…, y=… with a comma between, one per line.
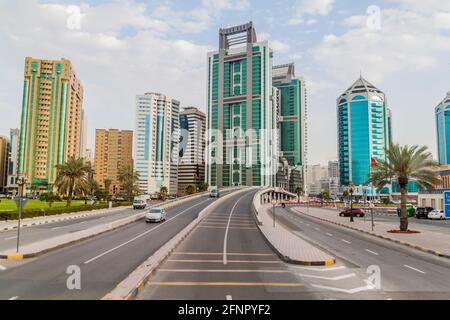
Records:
x=360, y=73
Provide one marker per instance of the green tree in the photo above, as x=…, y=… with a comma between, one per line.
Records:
x=163, y=191
x=404, y=164
x=71, y=178
x=49, y=197
x=91, y=185
x=128, y=178
x=204, y=187
x=190, y=189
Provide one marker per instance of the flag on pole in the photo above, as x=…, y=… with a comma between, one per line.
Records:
x=373, y=162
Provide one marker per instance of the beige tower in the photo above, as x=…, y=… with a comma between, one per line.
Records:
x=51, y=121
x=113, y=150
x=3, y=162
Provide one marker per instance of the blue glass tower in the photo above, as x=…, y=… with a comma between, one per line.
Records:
x=363, y=131
x=442, y=112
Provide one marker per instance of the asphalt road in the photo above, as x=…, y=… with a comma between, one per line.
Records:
x=236, y=263
x=104, y=261
x=41, y=232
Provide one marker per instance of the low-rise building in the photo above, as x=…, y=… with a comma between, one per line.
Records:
x=435, y=198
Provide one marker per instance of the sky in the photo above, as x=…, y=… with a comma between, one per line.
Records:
x=126, y=47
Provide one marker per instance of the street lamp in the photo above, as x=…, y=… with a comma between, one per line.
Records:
x=20, y=202
x=351, y=189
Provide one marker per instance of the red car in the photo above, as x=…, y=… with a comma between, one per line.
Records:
x=348, y=212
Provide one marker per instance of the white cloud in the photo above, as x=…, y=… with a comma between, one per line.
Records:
x=312, y=8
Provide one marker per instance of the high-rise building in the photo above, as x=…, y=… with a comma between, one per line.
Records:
x=83, y=147
x=13, y=157
x=389, y=127
x=156, y=139
x=333, y=169
x=51, y=122
x=191, y=167
x=292, y=113
x=113, y=151
x=4, y=146
x=442, y=112
x=362, y=131
x=241, y=111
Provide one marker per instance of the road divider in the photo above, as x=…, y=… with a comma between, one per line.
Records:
x=38, y=248
x=135, y=282
x=287, y=245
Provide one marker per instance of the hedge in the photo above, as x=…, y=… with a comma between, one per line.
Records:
x=31, y=213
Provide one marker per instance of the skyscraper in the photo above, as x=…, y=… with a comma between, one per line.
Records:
x=442, y=112
x=241, y=111
x=191, y=168
x=51, y=124
x=156, y=139
x=113, y=151
x=362, y=131
x=3, y=162
x=292, y=114
x=13, y=157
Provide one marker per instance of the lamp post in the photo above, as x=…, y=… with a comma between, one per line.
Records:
x=20, y=202
x=351, y=187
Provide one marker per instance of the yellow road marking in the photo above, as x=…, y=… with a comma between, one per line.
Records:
x=247, y=284
x=221, y=253
x=214, y=227
x=226, y=270
x=221, y=261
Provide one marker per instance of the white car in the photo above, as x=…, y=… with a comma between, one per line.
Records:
x=436, y=215
x=155, y=215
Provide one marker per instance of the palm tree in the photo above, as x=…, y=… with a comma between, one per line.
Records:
x=128, y=178
x=299, y=191
x=91, y=185
x=404, y=164
x=72, y=178
x=163, y=193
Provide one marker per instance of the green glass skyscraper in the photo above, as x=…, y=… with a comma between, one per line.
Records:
x=241, y=111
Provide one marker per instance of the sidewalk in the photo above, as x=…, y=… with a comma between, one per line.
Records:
x=290, y=247
x=28, y=222
x=427, y=241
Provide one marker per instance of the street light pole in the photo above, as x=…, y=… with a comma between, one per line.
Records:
x=21, y=183
x=351, y=201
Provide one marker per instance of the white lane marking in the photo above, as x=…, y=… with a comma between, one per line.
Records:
x=372, y=252
x=316, y=229
x=225, y=239
x=414, y=269
x=347, y=242
x=307, y=224
x=13, y=298
x=2, y=268
x=329, y=234
x=345, y=276
x=142, y=234
x=321, y=270
x=350, y=291
x=229, y=297
x=10, y=238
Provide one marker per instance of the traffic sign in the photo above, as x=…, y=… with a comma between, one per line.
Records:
x=20, y=202
x=447, y=204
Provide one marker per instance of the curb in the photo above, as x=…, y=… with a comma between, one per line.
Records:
x=122, y=292
x=407, y=244
x=283, y=257
x=117, y=224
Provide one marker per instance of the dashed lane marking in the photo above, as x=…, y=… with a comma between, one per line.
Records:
x=229, y=297
x=346, y=241
x=415, y=269
x=329, y=234
x=2, y=268
x=14, y=298
x=372, y=252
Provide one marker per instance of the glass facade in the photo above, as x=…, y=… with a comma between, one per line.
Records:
x=442, y=113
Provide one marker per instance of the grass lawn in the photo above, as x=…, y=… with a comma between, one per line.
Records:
x=10, y=205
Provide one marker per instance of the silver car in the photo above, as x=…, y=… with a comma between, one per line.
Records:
x=155, y=215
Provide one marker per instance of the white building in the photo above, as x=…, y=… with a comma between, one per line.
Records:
x=13, y=157
x=156, y=138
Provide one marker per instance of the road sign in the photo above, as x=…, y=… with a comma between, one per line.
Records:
x=447, y=204
x=20, y=202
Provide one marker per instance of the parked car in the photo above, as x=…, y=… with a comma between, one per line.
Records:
x=348, y=213
x=139, y=204
x=155, y=215
x=422, y=212
x=214, y=193
x=436, y=215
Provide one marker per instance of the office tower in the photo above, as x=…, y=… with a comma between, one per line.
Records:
x=191, y=167
x=362, y=131
x=13, y=157
x=83, y=146
x=113, y=151
x=50, y=128
x=333, y=169
x=156, y=139
x=241, y=111
x=389, y=127
x=442, y=112
x=4, y=146
x=292, y=113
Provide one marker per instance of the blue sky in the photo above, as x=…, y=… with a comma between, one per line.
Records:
x=123, y=48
